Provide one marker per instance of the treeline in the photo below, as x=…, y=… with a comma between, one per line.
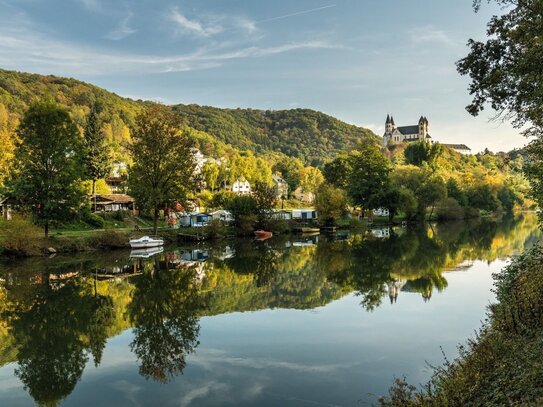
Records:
x=421, y=180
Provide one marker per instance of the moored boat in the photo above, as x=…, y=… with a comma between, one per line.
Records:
x=145, y=242
x=263, y=233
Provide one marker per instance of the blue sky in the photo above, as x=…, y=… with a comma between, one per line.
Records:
x=354, y=59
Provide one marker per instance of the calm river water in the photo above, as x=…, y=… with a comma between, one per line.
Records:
x=304, y=321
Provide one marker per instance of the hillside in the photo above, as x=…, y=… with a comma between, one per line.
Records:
x=312, y=136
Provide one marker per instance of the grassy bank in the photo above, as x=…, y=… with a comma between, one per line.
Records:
x=503, y=364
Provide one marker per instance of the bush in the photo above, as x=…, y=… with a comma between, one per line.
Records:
x=20, y=237
x=93, y=219
x=450, y=209
x=109, y=239
x=215, y=229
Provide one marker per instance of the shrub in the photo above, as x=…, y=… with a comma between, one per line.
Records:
x=93, y=219
x=109, y=239
x=450, y=209
x=20, y=237
x=214, y=229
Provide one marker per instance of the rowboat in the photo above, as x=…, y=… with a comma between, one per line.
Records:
x=145, y=242
x=263, y=234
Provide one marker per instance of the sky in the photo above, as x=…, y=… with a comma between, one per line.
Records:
x=357, y=60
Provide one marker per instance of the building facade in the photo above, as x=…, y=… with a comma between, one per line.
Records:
x=415, y=132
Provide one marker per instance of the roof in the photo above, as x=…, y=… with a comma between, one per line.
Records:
x=409, y=129
x=116, y=198
x=277, y=178
x=457, y=146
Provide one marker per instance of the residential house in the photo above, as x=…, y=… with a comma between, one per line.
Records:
x=280, y=185
x=241, y=187
x=381, y=212
x=281, y=215
x=118, y=178
x=222, y=215
x=304, y=214
x=114, y=202
x=6, y=205
x=194, y=220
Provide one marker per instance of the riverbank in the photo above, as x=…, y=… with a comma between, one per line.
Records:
x=503, y=364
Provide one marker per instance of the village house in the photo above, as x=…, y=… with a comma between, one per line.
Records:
x=114, y=202
x=304, y=214
x=280, y=185
x=117, y=180
x=240, y=187
x=194, y=220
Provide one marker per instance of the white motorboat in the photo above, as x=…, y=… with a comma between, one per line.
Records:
x=145, y=242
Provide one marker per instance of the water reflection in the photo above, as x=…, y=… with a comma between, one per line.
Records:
x=57, y=314
x=164, y=313
x=54, y=335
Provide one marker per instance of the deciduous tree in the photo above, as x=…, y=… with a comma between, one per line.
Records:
x=163, y=167
x=46, y=177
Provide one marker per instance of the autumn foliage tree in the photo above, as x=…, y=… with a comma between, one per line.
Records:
x=163, y=167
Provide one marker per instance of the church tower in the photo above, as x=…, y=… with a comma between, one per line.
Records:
x=388, y=124
x=423, y=128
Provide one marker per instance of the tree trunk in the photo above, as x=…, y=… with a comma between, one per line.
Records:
x=46, y=229
x=431, y=213
x=155, y=220
x=94, y=193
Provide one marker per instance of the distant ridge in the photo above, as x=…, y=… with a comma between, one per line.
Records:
x=312, y=136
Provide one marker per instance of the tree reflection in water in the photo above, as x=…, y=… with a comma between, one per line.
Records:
x=54, y=334
x=164, y=314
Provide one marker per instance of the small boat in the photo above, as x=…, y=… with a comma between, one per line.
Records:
x=263, y=234
x=145, y=242
x=307, y=230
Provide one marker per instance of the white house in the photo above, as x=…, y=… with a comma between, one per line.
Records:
x=241, y=187
x=194, y=220
x=304, y=214
x=222, y=215
x=381, y=212
x=280, y=185
x=281, y=214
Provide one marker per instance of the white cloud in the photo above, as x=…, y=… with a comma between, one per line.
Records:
x=430, y=34
x=193, y=27
x=33, y=51
x=123, y=29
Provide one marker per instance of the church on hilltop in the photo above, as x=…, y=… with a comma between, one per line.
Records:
x=415, y=132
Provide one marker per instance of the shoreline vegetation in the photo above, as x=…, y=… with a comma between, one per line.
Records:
x=503, y=363
x=19, y=238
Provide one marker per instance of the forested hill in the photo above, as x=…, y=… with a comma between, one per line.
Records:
x=312, y=136
x=307, y=134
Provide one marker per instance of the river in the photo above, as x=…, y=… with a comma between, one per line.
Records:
x=289, y=321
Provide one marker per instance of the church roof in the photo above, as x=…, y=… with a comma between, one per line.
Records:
x=409, y=129
x=388, y=119
x=457, y=146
